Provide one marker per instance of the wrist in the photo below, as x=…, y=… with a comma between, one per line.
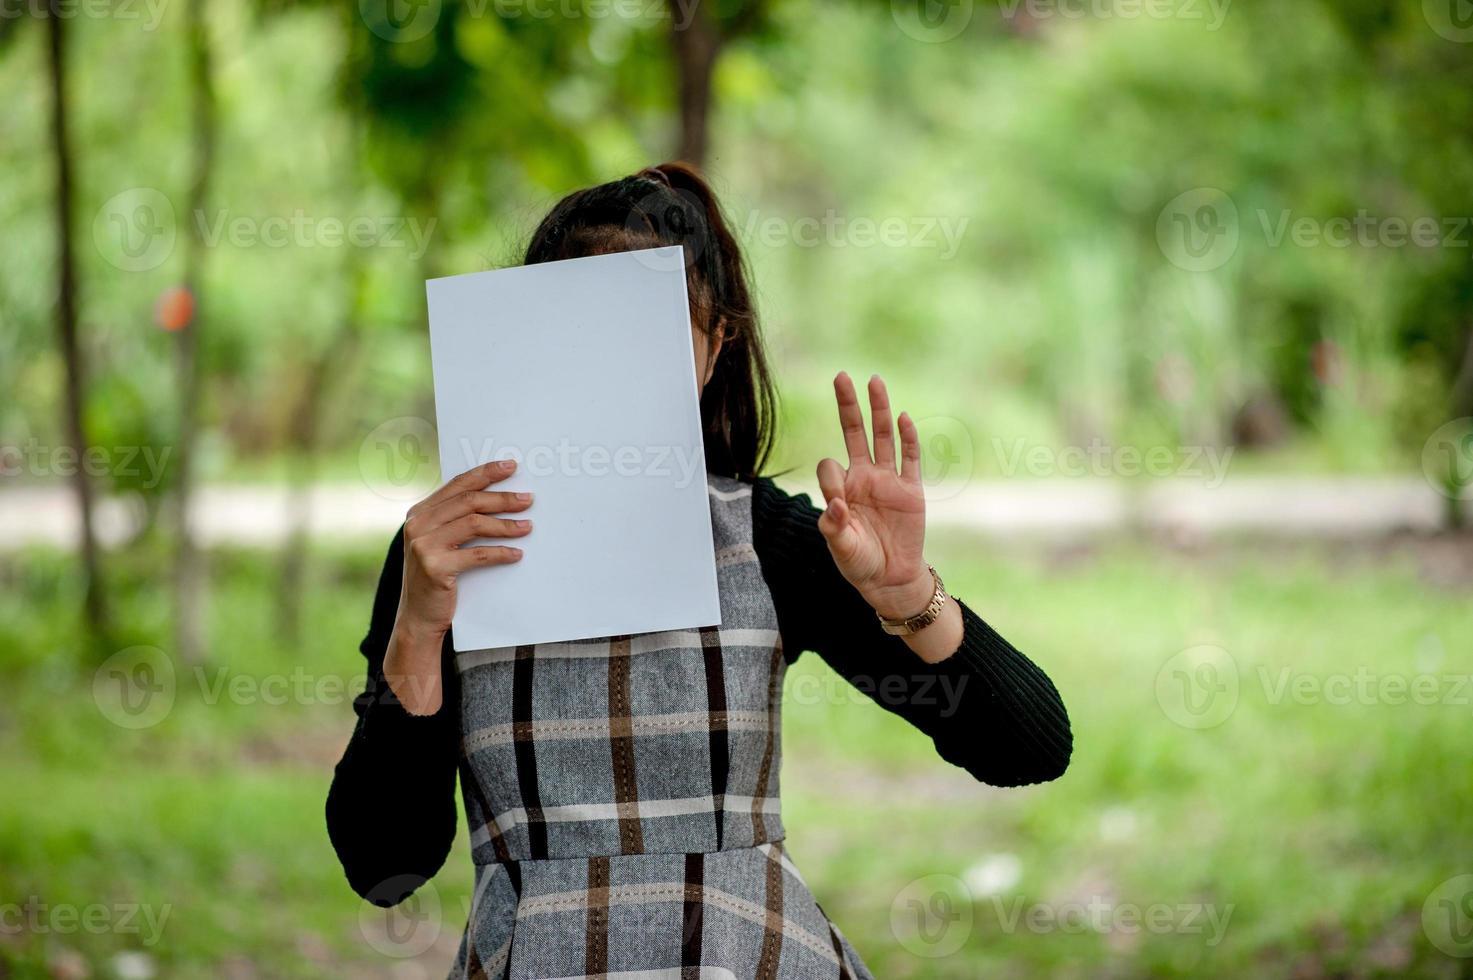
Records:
x=412, y=666
x=905, y=601
x=414, y=636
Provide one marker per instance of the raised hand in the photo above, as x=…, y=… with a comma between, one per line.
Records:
x=875, y=521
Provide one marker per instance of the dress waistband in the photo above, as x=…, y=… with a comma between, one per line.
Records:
x=483, y=857
x=702, y=825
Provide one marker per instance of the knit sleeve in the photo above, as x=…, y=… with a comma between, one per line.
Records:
x=391, y=806
x=987, y=707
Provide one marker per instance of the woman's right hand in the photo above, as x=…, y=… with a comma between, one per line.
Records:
x=436, y=533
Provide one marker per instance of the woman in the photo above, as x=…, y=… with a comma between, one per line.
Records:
x=622, y=794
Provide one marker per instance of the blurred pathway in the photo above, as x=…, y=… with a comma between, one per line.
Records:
x=1280, y=506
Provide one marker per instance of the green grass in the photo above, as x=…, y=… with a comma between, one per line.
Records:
x=1322, y=827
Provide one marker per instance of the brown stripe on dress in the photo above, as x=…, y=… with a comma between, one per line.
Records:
x=596, y=926
x=473, y=968
x=481, y=882
x=719, y=749
x=526, y=754
x=844, y=973
x=692, y=917
x=621, y=746
x=764, y=772
x=772, y=929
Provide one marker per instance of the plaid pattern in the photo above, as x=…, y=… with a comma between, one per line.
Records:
x=622, y=797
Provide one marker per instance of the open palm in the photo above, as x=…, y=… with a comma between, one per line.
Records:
x=875, y=521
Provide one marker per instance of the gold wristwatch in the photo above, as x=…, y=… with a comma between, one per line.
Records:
x=927, y=616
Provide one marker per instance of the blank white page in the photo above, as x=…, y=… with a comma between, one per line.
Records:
x=583, y=372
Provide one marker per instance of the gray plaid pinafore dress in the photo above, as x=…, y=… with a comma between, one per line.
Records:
x=622, y=798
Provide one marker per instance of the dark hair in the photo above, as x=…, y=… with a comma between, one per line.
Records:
x=673, y=205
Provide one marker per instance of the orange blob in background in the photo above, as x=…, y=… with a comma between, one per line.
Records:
x=174, y=309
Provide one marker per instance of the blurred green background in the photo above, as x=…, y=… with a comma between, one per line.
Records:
x=1073, y=235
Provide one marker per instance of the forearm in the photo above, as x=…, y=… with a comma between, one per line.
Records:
x=391, y=807
x=939, y=640
x=1008, y=722
x=988, y=708
x=391, y=820
x=412, y=666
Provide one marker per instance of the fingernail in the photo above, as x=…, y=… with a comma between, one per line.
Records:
x=524, y=497
x=522, y=523
x=516, y=552
x=508, y=464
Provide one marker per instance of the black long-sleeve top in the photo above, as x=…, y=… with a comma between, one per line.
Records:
x=988, y=708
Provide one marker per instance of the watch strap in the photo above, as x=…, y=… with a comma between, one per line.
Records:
x=922, y=619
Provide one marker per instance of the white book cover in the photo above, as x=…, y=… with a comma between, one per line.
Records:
x=582, y=371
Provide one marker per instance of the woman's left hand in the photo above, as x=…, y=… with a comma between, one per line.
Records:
x=875, y=521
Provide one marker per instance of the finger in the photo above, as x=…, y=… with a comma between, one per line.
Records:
x=467, y=502
x=475, y=478
x=910, y=449
x=851, y=420
x=473, y=526
x=882, y=423
x=492, y=554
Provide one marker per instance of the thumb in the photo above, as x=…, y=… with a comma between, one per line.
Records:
x=831, y=480
x=835, y=518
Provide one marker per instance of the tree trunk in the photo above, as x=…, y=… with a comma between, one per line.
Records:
x=189, y=593
x=696, y=41
x=66, y=327
x=1462, y=407
x=307, y=419
x=306, y=436
x=1462, y=394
